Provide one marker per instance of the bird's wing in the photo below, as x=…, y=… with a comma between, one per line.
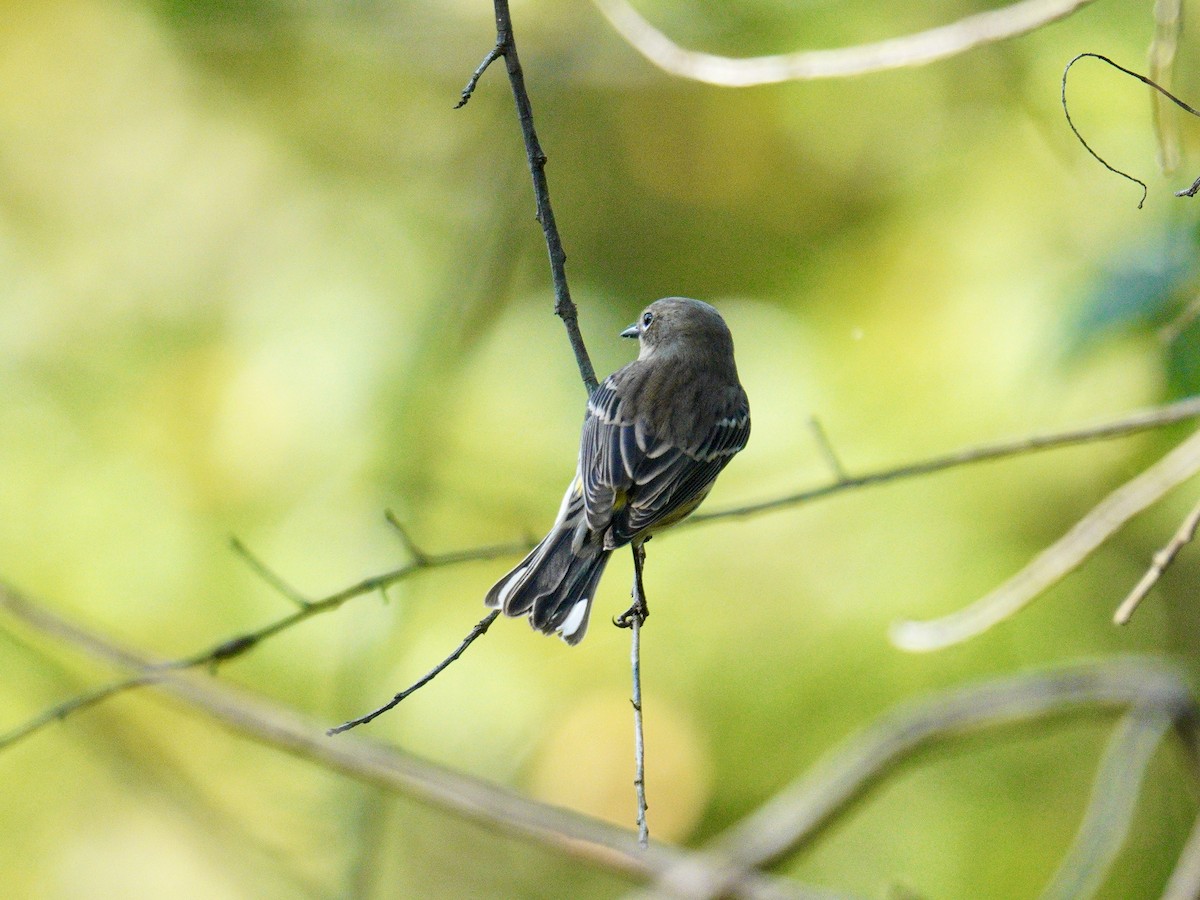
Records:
x=634, y=481
x=680, y=479
x=608, y=456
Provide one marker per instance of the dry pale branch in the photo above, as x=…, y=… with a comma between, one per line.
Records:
x=1159, y=564
x=796, y=816
x=635, y=659
x=1060, y=558
x=910, y=50
x=571, y=834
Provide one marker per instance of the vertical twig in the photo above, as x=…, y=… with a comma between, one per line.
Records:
x=635, y=655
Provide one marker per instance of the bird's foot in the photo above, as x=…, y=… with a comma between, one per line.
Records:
x=639, y=611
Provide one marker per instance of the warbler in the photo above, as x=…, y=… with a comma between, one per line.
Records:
x=656, y=435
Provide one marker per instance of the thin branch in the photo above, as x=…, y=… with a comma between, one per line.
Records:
x=234, y=647
x=80, y=702
x=1057, y=560
x=1189, y=192
x=910, y=50
x=1131, y=423
x=796, y=816
x=1159, y=564
x=635, y=657
x=574, y=835
x=564, y=306
x=484, y=624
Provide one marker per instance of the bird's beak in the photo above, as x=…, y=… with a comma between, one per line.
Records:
x=634, y=330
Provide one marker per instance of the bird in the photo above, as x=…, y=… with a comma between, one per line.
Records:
x=656, y=435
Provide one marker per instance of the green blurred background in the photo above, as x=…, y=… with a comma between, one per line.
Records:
x=258, y=278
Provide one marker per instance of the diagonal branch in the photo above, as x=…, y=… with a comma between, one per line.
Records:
x=910, y=50
x=478, y=631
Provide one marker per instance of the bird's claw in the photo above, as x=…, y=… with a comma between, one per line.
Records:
x=639, y=612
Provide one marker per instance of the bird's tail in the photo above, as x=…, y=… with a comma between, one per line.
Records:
x=555, y=584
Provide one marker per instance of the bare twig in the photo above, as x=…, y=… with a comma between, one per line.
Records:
x=1131, y=423
x=484, y=624
x=1060, y=558
x=726, y=868
x=1159, y=564
x=910, y=50
x=800, y=812
x=572, y=834
x=564, y=306
x=1188, y=192
x=635, y=656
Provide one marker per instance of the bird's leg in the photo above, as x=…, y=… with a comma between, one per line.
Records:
x=640, y=609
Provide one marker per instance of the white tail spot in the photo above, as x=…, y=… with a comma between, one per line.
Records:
x=575, y=618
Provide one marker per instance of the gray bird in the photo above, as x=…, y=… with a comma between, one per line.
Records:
x=656, y=435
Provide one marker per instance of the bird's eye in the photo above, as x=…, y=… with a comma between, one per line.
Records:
x=647, y=318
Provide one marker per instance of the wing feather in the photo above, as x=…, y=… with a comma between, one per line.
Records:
x=633, y=479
